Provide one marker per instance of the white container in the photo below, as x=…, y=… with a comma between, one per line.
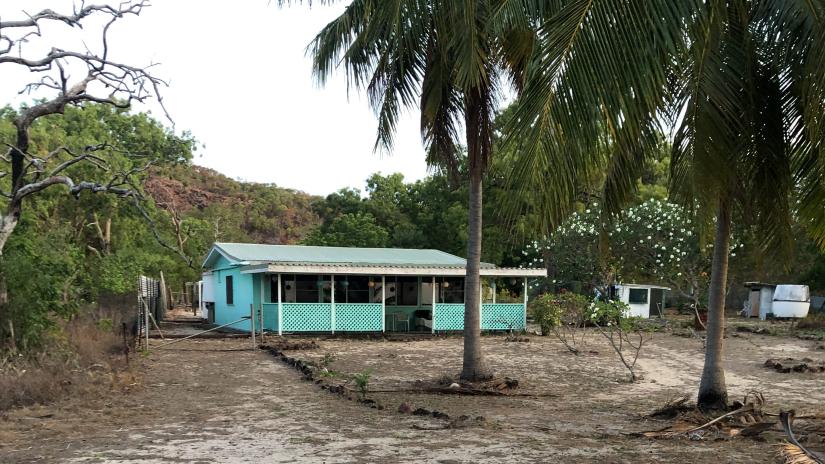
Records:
x=791, y=301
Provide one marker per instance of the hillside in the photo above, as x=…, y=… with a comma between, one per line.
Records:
x=263, y=213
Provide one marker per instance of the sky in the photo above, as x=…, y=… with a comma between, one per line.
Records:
x=241, y=82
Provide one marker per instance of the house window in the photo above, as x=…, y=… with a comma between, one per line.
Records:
x=354, y=289
x=230, y=291
x=306, y=288
x=452, y=290
x=402, y=291
x=637, y=296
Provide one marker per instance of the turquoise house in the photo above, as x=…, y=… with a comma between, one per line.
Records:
x=298, y=288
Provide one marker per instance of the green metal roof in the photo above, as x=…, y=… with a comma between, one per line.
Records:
x=250, y=253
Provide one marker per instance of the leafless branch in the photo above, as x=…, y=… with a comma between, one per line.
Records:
x=618, y=337
x=75, y=188
x=122, y=84
x=126, y=83
x=74, y=20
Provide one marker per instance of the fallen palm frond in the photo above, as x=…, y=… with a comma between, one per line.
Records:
x=750, y=421
x=791, y=452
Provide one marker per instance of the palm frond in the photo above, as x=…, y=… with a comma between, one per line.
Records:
x=596, y=85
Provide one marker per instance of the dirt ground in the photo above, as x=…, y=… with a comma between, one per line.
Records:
x=219, y=401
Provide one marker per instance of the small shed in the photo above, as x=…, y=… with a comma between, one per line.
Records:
x=643, y=299
x=760, y=299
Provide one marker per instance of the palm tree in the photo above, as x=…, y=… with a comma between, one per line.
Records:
x=742, y=83
x=451, y=59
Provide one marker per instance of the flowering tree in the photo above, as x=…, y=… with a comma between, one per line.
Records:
x=574, y=254
x=654, y=241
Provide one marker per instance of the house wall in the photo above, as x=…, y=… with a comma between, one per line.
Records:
x=243, y=294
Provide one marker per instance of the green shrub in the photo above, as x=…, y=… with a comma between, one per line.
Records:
x=551, y=310
x=610, y=312
x=328, y=359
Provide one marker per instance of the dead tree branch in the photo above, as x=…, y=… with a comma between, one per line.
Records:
x=100, y=80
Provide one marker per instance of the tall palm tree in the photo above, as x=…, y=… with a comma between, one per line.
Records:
x=450, y=58
x=741, y=82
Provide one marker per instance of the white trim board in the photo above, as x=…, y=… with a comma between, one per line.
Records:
x=387, y=270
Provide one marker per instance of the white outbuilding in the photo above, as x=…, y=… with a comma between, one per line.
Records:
x=643, y=299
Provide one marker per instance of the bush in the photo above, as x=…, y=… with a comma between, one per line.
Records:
x=545, y=313
x=552, y=310
x=610, y=312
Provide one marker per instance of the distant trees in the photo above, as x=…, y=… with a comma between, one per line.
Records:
x=350, y=230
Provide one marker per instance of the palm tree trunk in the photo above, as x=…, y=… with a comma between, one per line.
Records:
x=477, y=127
x=474, y=367
x=713, y=393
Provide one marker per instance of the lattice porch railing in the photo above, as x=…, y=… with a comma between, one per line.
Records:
x=448, y=316
x=494, y=316
x=502, y=316
x=306, y=317
x=358, y=317
x=318, y=317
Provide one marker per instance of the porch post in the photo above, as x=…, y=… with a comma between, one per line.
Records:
x=525, y=304
x=494, y=290
x=383, y=304
x=332, y=299
x=280, y=318
x=433, y=311
x=261, y=305
x=480, y=303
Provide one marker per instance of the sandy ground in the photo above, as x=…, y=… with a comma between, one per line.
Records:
x=219, y=401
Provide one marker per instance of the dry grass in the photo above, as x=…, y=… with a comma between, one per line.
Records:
x=814, y=320
x=81, y=357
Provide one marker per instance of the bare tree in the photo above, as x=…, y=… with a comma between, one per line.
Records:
x=100, y=80
x=627, y=341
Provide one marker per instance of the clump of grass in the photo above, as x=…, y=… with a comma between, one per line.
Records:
x=362, y=381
